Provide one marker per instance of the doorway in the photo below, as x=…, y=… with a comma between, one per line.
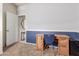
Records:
x=21, y=24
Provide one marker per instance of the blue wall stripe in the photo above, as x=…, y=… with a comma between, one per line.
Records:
x=31, y=35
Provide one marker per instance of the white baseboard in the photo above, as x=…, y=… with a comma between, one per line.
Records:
x=28, y=43
x=31, y=43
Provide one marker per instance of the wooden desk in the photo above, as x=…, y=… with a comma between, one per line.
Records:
x=63, y=44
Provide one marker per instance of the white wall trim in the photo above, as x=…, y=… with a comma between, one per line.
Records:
x=54, y=30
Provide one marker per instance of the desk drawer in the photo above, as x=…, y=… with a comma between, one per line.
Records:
x=63, y=42
x=64, y=50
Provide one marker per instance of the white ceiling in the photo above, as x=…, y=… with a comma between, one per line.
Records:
x=19, y=4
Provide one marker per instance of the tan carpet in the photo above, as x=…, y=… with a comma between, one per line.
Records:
x=21, y=49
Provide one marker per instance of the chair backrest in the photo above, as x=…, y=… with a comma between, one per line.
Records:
x=49, y=39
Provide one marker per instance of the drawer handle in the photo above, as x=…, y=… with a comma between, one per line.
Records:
x=62, y=46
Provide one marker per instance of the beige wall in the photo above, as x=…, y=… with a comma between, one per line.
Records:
x=51, y=16
x=7, y=7
x=1, y=41
x=10, y=8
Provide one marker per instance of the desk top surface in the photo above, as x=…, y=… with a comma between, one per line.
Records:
x=59, y=35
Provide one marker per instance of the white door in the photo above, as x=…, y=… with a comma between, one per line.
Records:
x=11, y=28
